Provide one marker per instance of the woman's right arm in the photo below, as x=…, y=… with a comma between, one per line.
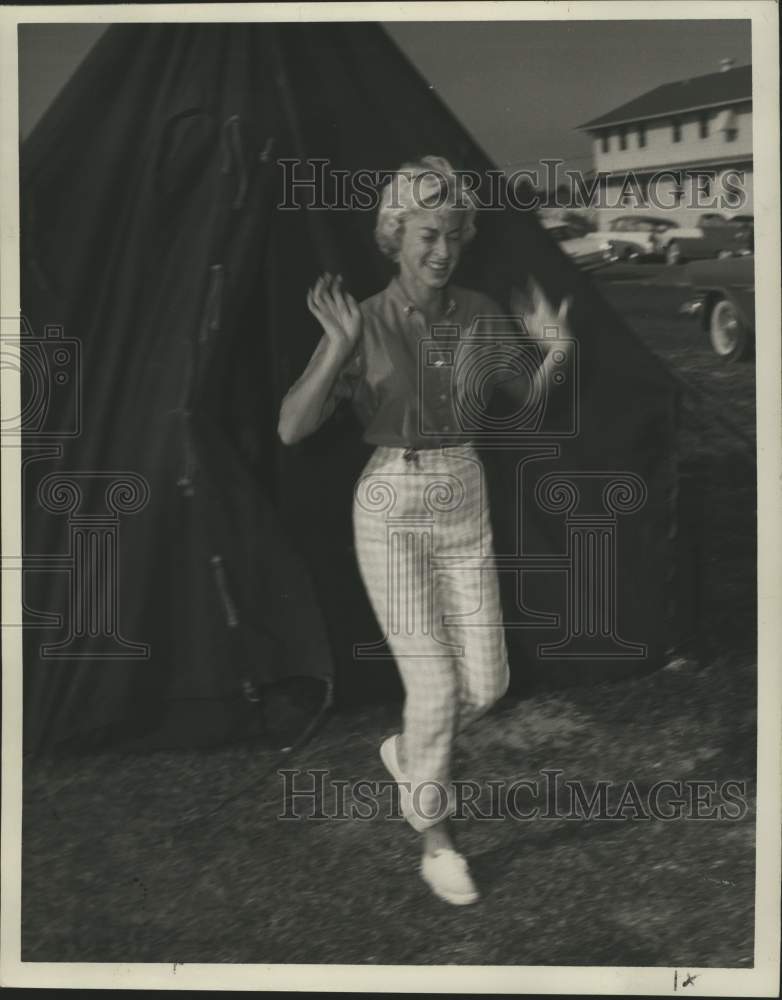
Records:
x=310, y=400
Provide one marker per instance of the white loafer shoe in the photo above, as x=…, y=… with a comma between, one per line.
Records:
x=447, y=875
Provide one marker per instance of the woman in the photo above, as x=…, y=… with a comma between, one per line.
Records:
x=421, y=518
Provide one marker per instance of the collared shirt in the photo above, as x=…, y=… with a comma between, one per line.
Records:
x=422, y=383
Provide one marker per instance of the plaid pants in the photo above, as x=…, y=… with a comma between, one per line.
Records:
x=425, y=553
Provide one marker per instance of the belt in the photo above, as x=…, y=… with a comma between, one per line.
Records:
x=411, y=454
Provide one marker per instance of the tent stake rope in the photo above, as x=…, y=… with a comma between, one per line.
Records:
x=285, y=754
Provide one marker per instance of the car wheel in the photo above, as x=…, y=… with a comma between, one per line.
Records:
x=728, y=335
x=673, y=253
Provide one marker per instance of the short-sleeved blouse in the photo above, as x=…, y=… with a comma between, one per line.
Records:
x=410, y=382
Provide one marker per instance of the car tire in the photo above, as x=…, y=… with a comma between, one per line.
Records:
x=673, y=254
x=728, y=335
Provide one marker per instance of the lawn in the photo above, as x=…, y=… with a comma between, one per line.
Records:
x=123, y=865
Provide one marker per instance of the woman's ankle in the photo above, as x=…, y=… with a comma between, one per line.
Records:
x=437, y=838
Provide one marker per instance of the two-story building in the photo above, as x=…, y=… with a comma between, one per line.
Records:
x=680, y=150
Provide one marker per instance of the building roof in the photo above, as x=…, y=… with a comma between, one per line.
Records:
x=723, y=87
x=711, y=162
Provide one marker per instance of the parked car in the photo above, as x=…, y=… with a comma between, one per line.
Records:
x=740, y=234
x=633, y=237
x=585, y=251
x=579, y=222
x=723, y=299
x=716, y=219
x=719, y=237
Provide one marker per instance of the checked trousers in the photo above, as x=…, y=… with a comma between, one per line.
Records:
x=425, y=552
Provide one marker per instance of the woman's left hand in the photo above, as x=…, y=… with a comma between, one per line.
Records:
x=544, y=323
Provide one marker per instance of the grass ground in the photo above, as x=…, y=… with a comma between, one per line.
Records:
x=113, y=875
x=131, y=858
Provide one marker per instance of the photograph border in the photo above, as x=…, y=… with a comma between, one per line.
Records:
x=763, y=978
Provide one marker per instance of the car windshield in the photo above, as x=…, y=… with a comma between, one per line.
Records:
x=635, y=225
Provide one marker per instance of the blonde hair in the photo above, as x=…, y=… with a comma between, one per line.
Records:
x=430, y=182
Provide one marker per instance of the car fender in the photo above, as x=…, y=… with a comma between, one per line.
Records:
x=669, y=235
x=732, y=278
x=742, y=300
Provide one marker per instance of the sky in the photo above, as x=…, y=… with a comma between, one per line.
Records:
x=521, y=88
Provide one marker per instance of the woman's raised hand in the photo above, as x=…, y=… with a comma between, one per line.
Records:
x=540, y=317
x=337, y=312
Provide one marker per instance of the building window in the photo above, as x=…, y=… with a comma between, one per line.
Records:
x=622, y=138
x=703, y=127
x=605, y=141
x=641, y=136
x=676, y=130
x=727, y=122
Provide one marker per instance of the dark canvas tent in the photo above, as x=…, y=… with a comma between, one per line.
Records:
x=151, y=234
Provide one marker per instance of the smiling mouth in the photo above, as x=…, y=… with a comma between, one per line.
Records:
x=439, y=268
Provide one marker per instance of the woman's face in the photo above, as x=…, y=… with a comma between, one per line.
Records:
x=431, y=246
